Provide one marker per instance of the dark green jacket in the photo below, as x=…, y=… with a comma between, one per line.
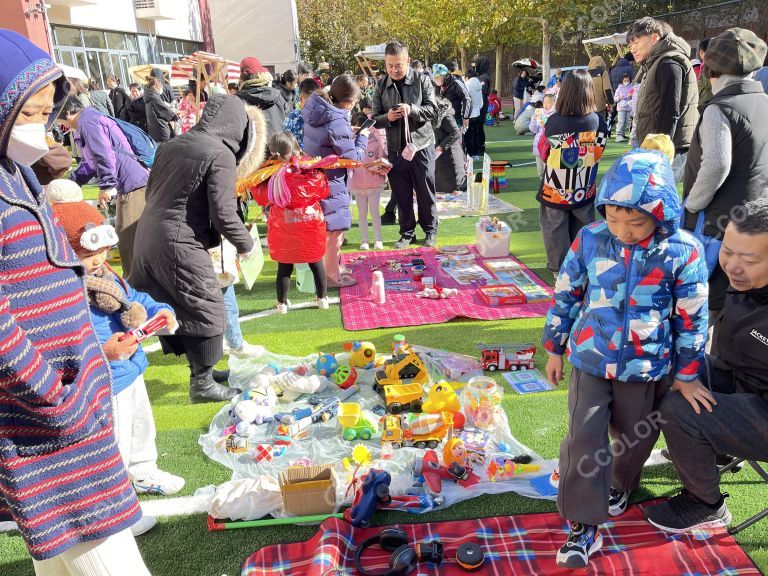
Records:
x=650, y=104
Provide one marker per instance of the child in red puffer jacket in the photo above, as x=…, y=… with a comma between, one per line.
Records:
x=296, y=225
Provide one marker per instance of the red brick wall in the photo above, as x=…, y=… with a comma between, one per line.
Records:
x=207, y=27
x=32, y=26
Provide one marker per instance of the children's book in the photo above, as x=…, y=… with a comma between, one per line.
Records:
x=527, y=381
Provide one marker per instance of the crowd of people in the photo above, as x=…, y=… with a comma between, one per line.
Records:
x=660, y=305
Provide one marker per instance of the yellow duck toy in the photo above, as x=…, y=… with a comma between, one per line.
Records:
x=442, y=397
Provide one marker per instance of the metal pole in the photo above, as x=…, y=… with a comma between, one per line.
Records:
x=48, y=32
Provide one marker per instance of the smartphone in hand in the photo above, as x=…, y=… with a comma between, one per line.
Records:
x=367, y=125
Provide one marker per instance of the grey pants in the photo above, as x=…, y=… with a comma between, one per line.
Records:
x=560, y=228
x=128, y=210
x=589, y=464
x=736, y=426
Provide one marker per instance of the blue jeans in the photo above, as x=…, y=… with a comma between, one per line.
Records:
x=232, y=333
x=622, y=123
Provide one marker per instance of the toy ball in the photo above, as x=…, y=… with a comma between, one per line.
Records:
x=345, y=376
x=326, y=365
x=361, y=354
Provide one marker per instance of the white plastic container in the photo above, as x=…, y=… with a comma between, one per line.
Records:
x=493, y=244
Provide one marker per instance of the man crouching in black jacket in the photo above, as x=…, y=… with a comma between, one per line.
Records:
x=729, y=415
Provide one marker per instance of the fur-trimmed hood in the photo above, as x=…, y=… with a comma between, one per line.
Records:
x=239, y=126
x=257, y=146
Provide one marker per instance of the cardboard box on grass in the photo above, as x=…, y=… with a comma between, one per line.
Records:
x=308, y=491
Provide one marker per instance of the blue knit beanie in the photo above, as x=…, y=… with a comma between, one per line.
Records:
x=24, y=69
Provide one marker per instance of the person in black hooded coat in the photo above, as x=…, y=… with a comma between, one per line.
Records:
x=191, y=203
x=483, y=67
x=449, y=166
x=256, y=89
x=159, y=113
x=167, y=95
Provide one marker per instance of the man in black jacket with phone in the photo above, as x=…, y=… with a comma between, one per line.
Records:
x=406, y=93
x=728, y=413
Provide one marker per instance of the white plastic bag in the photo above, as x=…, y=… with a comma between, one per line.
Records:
x=246, y=499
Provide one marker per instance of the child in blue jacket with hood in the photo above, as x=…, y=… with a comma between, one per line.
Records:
x=116, y=308
x=327, y=131
x=630, y=309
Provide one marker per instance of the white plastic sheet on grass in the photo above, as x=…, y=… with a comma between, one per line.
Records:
x=325, y=444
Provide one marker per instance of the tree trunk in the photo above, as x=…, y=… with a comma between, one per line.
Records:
x=463, y=57
x=545, y=48
x=499, y=56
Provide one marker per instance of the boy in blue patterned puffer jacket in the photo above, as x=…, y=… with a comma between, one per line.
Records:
x=630, y=309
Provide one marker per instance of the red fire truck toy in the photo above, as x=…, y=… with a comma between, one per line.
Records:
x=507, y=356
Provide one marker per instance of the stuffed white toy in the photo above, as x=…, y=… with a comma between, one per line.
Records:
x=288, y=385
x=257, y=407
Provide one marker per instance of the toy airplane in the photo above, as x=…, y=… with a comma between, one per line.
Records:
x=433, y=473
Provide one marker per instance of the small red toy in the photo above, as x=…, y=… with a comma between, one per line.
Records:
x=507, y=356
x=145, y=330
x=433, y=473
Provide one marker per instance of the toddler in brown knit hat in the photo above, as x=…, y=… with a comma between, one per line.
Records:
x=116, y=309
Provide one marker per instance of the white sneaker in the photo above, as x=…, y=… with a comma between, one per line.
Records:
x=159, y=482
x=378, y=245
x=144, y=525
x=364, y=246
x=322, y=303
x=282, y=308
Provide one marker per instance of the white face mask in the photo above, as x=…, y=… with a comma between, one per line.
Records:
x=27, y=144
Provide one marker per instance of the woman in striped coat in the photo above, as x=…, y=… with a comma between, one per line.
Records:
x=61, y=477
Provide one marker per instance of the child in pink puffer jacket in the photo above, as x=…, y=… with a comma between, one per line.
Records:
x=367, y=183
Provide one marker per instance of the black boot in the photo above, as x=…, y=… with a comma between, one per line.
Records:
x=388, y=218
x=203, y=388
x=221, y=376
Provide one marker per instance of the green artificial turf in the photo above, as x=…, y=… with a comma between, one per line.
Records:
x=182, y=545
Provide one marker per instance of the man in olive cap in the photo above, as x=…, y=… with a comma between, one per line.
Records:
x=728, y=159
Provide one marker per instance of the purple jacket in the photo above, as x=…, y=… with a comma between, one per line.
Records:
x=106, y=154
x=327, y=131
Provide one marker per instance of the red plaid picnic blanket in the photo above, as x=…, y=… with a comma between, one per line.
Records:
x=359, y=312
x=515, y=545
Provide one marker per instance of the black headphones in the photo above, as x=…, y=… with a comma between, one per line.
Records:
x=404, y=559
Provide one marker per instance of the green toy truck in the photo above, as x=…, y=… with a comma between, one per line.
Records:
x=356, y=422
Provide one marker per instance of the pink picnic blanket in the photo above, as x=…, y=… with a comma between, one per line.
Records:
x=359, y=312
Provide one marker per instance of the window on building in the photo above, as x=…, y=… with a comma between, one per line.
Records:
x=68, y=36
x=147, y=48
x=100, y=53
x=94, y=39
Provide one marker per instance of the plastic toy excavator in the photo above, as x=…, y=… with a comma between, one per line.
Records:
x=400, y=382
x=400, y=369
